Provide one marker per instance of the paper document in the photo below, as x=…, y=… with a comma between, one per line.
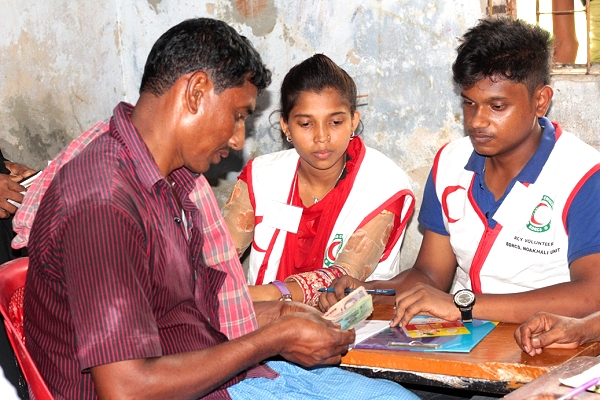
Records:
x=397, y=339
x=585, y=376
x=368, y=328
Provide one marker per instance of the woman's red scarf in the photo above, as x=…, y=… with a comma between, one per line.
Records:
x=305, y=250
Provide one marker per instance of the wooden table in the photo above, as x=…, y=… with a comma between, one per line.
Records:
x=496, y=365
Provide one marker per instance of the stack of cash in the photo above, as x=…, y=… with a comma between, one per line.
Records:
x=351, y=310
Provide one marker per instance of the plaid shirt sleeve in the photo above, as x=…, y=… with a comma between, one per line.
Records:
x=23, y=219
x=236, y=313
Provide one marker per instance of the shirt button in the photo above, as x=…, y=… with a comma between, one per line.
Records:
x=177, y=219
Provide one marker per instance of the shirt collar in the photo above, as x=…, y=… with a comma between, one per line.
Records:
x=123, y=130
x=535, y=164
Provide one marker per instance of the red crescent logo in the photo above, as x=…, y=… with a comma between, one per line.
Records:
x=331, y=248
x=447, y=192
x=533, y=215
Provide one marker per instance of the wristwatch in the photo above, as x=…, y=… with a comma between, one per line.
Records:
x=286, y=295
x=464, y=300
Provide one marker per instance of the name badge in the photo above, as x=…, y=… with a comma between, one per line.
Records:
x=516, y=207
x=282, y=216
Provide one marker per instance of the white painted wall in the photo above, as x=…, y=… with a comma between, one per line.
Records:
x=65, y=65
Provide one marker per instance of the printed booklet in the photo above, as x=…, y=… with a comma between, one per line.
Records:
x=459, y=342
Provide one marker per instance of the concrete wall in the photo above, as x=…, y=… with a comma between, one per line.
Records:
x=65, y=64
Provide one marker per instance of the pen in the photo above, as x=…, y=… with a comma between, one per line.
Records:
x=580, y=389
x=383, y=292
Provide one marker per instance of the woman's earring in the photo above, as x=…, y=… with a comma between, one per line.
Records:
x=289, y=139
x=352, y=135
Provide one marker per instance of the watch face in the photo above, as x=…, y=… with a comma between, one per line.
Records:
x=464, y=298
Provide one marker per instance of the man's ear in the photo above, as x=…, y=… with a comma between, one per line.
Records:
x=198, y=86
x=543, y=96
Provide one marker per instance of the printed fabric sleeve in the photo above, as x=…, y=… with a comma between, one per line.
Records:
x=358, y=258
x=239, y=217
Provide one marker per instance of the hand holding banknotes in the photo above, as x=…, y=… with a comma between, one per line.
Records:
x=351, y=310
x=298, y=325
x=339, y=285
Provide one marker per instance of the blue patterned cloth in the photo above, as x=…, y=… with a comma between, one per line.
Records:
x=326, y=383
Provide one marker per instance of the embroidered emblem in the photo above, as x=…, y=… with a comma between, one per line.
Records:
x=541, y=216
x=333, y=249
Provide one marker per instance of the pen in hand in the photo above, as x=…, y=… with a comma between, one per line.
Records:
x=381, y=292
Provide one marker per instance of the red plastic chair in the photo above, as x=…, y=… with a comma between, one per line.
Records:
x=12, y=282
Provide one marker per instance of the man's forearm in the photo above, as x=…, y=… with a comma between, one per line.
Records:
x=571, y=299
x=592, y=325
x=187, y=375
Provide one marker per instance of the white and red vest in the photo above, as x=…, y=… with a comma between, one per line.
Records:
x=528, y=247
x=379, y=182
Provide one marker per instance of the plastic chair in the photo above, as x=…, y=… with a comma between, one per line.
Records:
x=12, y=282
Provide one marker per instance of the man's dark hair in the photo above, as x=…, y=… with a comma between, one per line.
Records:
x=503, y=48
x=203, y=44
x=316, y=74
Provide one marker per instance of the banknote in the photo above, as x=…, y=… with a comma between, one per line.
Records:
x=347, y=301
x=351, y=310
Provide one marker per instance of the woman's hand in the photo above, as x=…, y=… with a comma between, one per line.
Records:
x=327, y=299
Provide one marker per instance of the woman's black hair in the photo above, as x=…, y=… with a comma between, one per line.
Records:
x=316, y=74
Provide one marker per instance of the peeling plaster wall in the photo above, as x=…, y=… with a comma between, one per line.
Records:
x=66, y=64
x=60, y=70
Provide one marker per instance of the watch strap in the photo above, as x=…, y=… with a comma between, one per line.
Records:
x=286, y=295
x=466, y=314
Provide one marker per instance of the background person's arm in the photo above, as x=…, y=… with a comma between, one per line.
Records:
x=563, y=26
x=550, y=330
x=18, y=171
x=9, y=189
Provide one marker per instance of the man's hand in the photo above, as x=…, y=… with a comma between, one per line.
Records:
x=9, y=189
x=326, y=300
x=311, y=339
x=18, y=171
x=426, y=300
x=269, y=311
x=549, y=330
x=314, y=340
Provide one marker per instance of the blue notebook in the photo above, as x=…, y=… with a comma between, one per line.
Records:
x=395, y=339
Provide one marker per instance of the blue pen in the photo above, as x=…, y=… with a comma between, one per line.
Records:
x=381, y=292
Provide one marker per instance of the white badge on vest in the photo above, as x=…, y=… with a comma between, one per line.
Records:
x=517, y=206
x=282, y=216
